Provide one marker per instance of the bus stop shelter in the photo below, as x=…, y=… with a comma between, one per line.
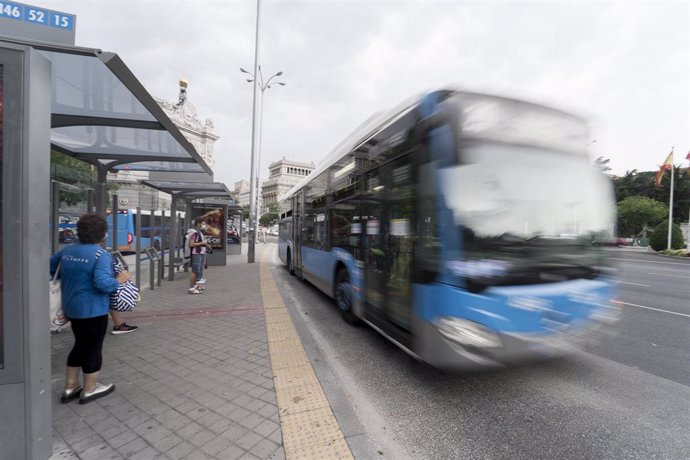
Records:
x=188, y=192
x=85, y=103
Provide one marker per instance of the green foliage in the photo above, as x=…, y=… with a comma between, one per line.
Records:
x=659, y=239
x=602, y=164
x=635, y=183
x=268, y=219
x=675, y=252
x=245, y=212
x=76, y=176
x=636, y=212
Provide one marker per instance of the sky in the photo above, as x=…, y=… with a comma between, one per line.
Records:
x=624, y=66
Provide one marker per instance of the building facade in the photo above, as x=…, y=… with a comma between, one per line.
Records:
x=282, y=176
x=241, y=192
x=184, y=115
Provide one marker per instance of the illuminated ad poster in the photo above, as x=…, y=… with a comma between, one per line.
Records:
x=213, y=218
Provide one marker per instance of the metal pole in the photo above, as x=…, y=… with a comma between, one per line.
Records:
x=670, y=207
x=116, y=208
x=187, y=225
x=252, y=191
x=55, y=237
x=688, y=246
x=161, y=263
x=152, y=229
x=90, y=200
x=152, y=269
x=101, y=190
x=258, y=155
x=137, y=245
x=172, y=239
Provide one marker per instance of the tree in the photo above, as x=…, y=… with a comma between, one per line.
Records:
x=637, y=212
x=602, y=164
x=659, y=239
x=79, y=174
x=245, y=212
x=271, y=217
x=636, y=183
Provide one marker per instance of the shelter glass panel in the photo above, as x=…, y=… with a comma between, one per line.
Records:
x=2, y=336
x=84, y=86
x=117, y=142
x=163, y=166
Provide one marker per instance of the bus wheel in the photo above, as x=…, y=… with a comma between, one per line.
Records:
x=291, y=267
x=343, y=297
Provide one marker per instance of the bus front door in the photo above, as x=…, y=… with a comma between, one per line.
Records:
x=297, y=240
x=388, y=220
x=399, y=243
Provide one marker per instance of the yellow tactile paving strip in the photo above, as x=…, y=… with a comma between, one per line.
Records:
x=310, y=430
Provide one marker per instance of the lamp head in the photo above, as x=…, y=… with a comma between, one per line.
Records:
x=279, y=73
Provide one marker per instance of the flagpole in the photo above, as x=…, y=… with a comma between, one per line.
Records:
x=670, y=206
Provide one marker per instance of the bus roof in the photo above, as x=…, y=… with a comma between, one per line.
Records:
x=381, y=120
x=375, y=123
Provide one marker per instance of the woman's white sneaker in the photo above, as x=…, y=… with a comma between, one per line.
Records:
x=98, y=392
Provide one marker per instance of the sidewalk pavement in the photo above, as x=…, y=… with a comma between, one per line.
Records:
x=195, y=381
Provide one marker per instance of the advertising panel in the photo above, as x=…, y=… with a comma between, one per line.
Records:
x=213, y=217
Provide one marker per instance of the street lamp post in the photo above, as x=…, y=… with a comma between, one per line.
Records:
x=262, y=85
x=252, y=230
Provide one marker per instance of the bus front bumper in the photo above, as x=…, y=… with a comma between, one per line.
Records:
x=441, y=349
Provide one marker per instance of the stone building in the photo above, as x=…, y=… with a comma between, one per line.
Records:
x=241, y=192
x=283, y=175
x=183, y=113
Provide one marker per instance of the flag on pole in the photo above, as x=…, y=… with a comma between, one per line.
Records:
x=668, y=164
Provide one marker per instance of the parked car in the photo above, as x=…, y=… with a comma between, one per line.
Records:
x=610, y=241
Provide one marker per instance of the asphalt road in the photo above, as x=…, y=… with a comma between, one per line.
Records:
x=626, y=397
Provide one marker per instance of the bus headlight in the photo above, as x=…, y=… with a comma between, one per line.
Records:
x=467, y=333
x=608, y=314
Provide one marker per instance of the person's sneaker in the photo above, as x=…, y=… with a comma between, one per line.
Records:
x=69, y=395
x=194, y=290
x=98, y=392
x=199, y=288
x=123, y=328
x=201, y=281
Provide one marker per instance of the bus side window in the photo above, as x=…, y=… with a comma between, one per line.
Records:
x=308, y=229
x=429, y=245
x=320, y=235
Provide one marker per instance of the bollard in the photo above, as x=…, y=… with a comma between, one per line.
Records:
x=152, y=269
x=160, y=269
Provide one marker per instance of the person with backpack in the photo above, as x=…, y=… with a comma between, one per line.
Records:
x=198, y=246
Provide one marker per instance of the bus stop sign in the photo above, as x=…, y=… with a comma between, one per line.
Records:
x=18, y=20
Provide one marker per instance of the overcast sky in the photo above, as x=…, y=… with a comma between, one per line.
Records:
x=624, y=66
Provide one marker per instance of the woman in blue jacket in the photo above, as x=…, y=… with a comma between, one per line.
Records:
x=87, y=279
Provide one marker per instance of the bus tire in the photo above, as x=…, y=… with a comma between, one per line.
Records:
x=343, y=297
x=290, y=266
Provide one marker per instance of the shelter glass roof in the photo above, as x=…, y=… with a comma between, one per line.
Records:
x=191, y=190
x=102, y=114
x=84, y=86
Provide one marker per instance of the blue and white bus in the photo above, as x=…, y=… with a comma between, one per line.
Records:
x=459, y=226
x=126, y=230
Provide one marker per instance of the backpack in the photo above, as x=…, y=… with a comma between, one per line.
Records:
x=187, y=240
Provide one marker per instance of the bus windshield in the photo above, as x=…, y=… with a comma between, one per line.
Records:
x=518, y=206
